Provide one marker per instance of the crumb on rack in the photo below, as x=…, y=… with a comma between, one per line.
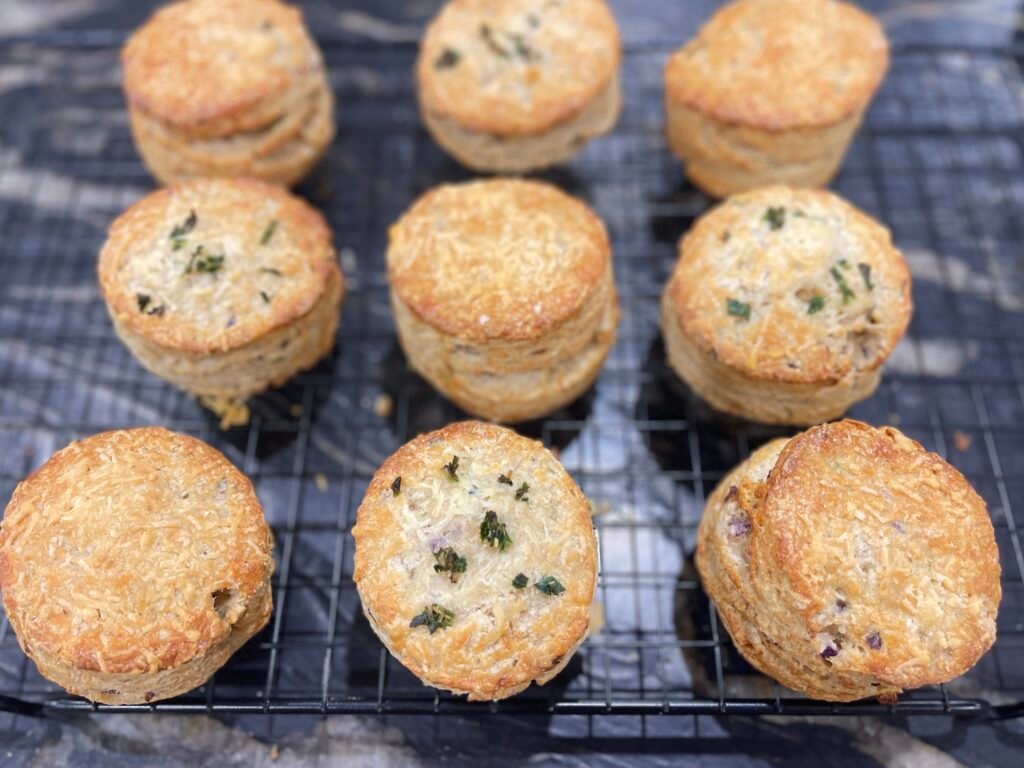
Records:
x=962, y=441
x=383, y=405
x=295, y=410
x=320, y=480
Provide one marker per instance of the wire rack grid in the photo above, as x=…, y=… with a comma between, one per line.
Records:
x=939, y=159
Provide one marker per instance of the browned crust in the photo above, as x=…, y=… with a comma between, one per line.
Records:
x=733, y=253
x=542, y=631
x=928, y=579
x=780, y=64
x=239, y=210
x=497, y=259
x=216, y=66
x=575, y=54
x=101, y=552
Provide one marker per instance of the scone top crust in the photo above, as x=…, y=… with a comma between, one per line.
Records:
x=198, y=61
x=501, y=637
x=780, y=64
x=122, y=552
x=497, y=259
x=212, y=264
x=889, y=550
x=791, y=285
x=516, y=67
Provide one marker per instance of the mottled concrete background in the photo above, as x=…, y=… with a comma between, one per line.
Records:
x=118, y=740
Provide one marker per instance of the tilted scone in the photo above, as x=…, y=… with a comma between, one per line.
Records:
x=503, y=295
x=512, y=86
x=784, y=305
x=133, y=564
x=849, y=562
x=476, y=560
x=224, y=287
x=771, y=92
x=227, y=88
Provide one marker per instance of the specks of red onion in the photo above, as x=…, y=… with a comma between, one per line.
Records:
x=874, y=641
x=739, y=525
x=898, y=526
x=733, y=492
x=829, y=652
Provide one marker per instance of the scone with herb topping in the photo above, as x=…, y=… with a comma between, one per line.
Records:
x=512, y=86
x=772, y=92
x=784, y=305
x=503, y=295
x=849, y=562
x=224, y=287
x=476, y=560
x=133, y=564
x=227, y=88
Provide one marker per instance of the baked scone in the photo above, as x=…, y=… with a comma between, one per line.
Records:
x=227, y=88
x=133, y=564
x=503, y=295
x=784, y=305
x=849, y=562
x=476, y=560
x=772, y=92
x=512, y=86
x=224, y=287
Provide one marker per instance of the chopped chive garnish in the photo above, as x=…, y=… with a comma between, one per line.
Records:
x=815, y=305
x=865, y=273
x=520, y=581
x=452, y=468
x=494, y=533
x=776, y=217
x=844, y=289
x=396, y=486
x=521, y=492
x=738, y=308
x=268, y=232
x=434, y=617
x=549, y=585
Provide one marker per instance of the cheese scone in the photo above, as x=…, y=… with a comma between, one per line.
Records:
x=503, y=295
x=784, y=305
x=224, y=287
x=476, y=560
x=849, y=562
x=512, y=86
x=772, y=92
x=133, y=564
x=227, y=88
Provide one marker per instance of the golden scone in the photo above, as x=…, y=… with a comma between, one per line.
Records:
x=133, y=564
x=849, y=562
x=503, y=295
x=476, y=560
x=512, y=86
x=784, y=305
x=772, y=91
x=227, y=88
x=224, y=287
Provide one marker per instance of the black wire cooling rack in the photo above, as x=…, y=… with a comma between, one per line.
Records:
x=940, y=160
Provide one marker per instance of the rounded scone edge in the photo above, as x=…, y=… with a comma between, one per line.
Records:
x=141, y=675
x=375, y=523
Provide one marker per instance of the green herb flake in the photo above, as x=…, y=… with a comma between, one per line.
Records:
x=271, y=271
x=491, y=40
x=815, y=305
x=520, y=581
x=452, y=468
x=449, y=58
x=448, y=561
x=267, y=298
x=776, y=217
x=494, y=533
x=434, y=617
x=521, y=492
x=504, y=479
x=147, y=307
x=738, y=309
x=549, y=585
x=844, y=289
x=396, y=486
x=268, y=232
x=179, y=232
x=201, y=261
x=865, y=273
